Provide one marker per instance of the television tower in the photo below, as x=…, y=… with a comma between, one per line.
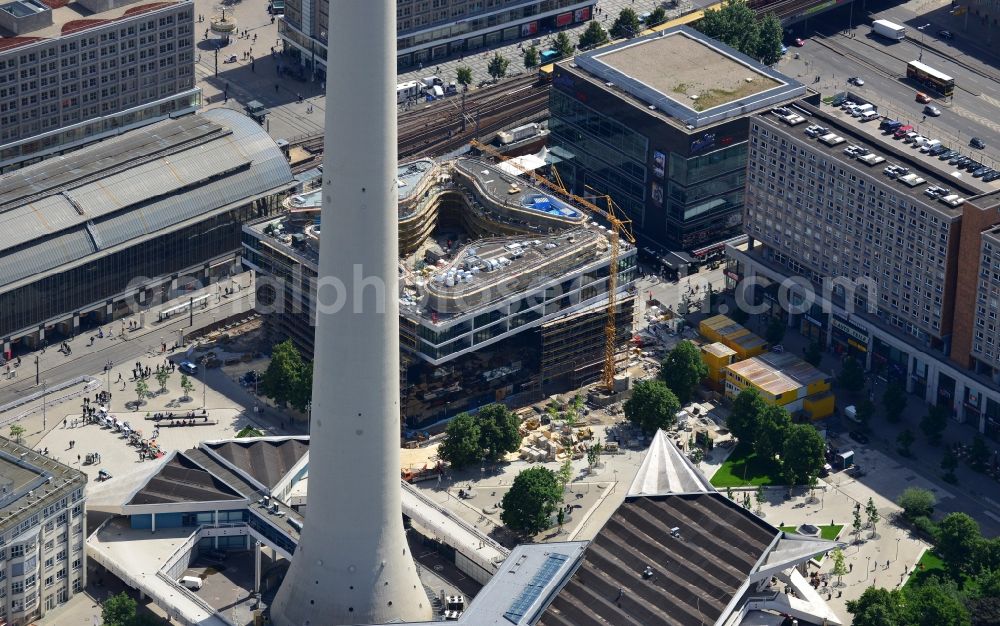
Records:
x=352, y=564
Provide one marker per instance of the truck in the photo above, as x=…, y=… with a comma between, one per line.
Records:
x=889, y=30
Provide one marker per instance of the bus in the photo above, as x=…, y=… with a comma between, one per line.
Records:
x=930, y=78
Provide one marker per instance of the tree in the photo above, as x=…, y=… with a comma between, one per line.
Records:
x=498, y=431
x=119, y=610
x=593, y=36
x=141, y=390
x=463, y=76
x=283, y=372
x=839, y=566
x=935, y=603
x=565, y=472
x=461, y=442
x=531, y=57
x=16, y=432
x=162, y=376
x=864, y=412
x=769, y=40
x=934, y=423
x=804, y=451
x=652, y=406
x=904, y=440
x=594, y=454
x=894, y=401
x=916, y=502
x=775, y=331
x=656, y=16
x=852, y=375
x=186, y=385
x=735, y=24
x=528, y=506
x=683, y=370
x=979, y=454
x=814, y=353
x=958, y=543
x=759, y=498
x=878, y=607
x=626, y=24
x=497, y=67
x=249, y=431
x=949, y=463
x=985, y=610
x=745, y=415
x=769, y=436
x=563, y=45
x=871, y=512
x=301, y=393
x=856, y=523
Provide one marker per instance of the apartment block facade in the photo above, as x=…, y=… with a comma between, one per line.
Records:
x=71, y=81
x=42, y=534
x=430, y=30
x=874, y=251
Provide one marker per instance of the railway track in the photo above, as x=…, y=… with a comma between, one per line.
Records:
x=438, y=128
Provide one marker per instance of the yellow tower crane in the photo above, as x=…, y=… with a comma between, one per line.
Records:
x=618, y=226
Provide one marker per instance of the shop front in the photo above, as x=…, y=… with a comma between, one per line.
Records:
x=848, y=338
x=888, y=361
x=919, y=378
x=812, y=325
x=972, y=408
x=992, y=429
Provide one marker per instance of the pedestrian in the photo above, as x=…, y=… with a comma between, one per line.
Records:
x=78, y=458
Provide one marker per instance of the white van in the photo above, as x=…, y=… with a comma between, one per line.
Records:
x=861, y=109
x=930, y=145
x=869, y=116
x=191, y=582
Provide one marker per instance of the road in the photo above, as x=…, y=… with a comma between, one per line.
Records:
x=835, y=51
x=90, y=360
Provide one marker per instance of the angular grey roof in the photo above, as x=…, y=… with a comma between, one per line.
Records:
x=181, y=480
x=63, y=209
x=266, y=460
x=665, y=470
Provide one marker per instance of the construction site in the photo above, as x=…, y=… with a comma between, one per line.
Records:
x=505, y=281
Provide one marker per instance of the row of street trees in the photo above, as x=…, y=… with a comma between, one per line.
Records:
x=965, y=593
x=737, y=25
x=798, y=448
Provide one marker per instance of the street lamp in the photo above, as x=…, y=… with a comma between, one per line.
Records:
x=44, y=393
x=897, y=548
x=868, y=566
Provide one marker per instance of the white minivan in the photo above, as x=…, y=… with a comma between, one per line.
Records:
x=191, y=582
x=869, y=116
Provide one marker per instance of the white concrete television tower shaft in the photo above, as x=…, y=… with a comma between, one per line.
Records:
x=352, y=564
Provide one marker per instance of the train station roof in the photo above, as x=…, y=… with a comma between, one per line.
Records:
x=134, y=187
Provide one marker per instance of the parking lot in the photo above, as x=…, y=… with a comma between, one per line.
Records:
x=842, y=46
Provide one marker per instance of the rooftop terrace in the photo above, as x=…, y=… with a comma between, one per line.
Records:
x=777, y=373
x=74, y=17
x=707, y=81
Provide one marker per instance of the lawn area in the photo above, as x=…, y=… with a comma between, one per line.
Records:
x=744, y=469
x=825, y=532
x=932, y=564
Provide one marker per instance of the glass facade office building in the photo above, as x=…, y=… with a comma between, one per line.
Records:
x=683, y=190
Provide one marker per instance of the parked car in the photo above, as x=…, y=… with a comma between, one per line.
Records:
x=933, y=111
x=938, y=151
x=799, y=42
x=992, y=176
x=955, y=160
x=977, y=143
x=945, y=34
x=972, y=166
x=902, y=131
x=188, y=368
x=983, y=171
x=947, y=154
x=858, y=436
x=923, y=98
